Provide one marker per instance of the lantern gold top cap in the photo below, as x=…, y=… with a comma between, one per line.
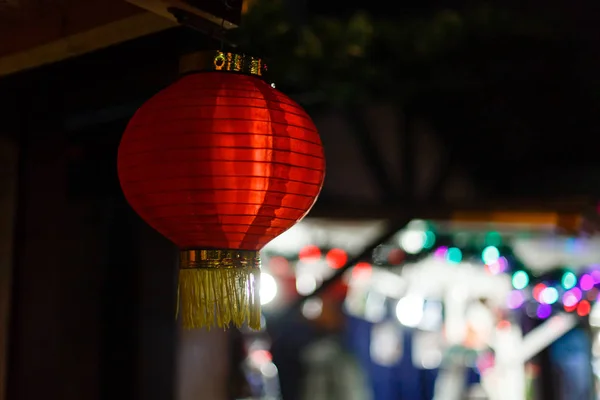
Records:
x=223, y=62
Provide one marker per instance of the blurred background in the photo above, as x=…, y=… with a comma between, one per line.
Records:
x=453, y=253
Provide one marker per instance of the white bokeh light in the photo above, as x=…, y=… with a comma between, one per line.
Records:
x=305, y=284
x=268, y=288
x=312, y=308
x=386, y=344
x=432, y=359
x=549, y=295
x=409, y=311
x=413, y=241
x=269, y=370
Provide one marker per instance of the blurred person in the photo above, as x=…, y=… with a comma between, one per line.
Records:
x=457, y=372
x=532, y=371
x=572, y=363
x=332, y=372
x=290, y=335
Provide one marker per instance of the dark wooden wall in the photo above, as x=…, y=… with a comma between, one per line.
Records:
x=93, y=296
x=59, y=270
x=92, y=316
x=8, y=200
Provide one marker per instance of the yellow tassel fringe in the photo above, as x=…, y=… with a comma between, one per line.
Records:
x=219, y=288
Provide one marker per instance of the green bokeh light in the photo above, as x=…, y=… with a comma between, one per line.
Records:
x=429, y=240
x=490, y=255
x=520, y=280
x=569, y=280
x=454, y=255
x=493, y=239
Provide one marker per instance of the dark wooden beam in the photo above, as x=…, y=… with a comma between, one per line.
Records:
x=568, y=214
x=95, y=38
x=128, y=73
x=218, y=12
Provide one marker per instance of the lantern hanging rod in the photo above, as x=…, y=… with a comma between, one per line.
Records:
x=199, y=24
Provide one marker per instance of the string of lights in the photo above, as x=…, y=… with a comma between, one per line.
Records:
x=571, y=289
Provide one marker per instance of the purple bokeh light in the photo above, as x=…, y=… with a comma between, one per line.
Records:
x=441, y=252
x=596, y=276
x=571, y=297
x=499, y=266
x=544, y=311
x=586, y=282
x=515, y=299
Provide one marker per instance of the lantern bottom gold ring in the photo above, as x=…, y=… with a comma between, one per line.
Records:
x=219, y=287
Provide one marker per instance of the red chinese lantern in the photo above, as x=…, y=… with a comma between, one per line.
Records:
x=221, y=163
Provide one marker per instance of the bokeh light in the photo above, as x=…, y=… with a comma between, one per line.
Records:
x=503, y=325
x=336, y=258
x=586, y=282
x=268, y=288
x=409, y=311
x=441, y=252
x=571, y=297
x=413, y=241
x=305, y=284
x=309, y=253
x=498, y=266
x=544, y=311
x=537, y=291
x=515, y=299
x=569, y=280
x=396, y=257
x=549, y=295
x=490, y=255
x=429, y=239
x=279, y=265
x=596, y=276
x=362, y=270
x=454, y=255
x=583, y=308
x=312, y=308
x=520, y=280
x=493, y=239
x=570, y=308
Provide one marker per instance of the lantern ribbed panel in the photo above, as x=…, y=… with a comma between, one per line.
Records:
x=221, y=160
